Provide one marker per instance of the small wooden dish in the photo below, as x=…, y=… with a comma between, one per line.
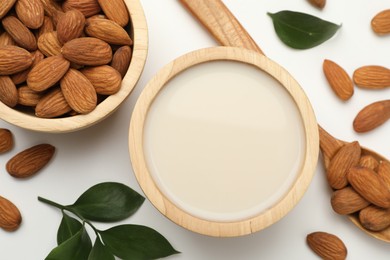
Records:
x=139, y=34
x=186, y=219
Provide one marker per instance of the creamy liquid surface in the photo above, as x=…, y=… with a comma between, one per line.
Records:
x=224, y=141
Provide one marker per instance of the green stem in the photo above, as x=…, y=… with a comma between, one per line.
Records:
x=51, y=203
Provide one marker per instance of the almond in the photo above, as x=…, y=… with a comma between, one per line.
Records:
x=20, y=33
x=28, y=97
x=381, y=22
x=347, y=201
x=338, y=79
x=384, y=172
x=30, y=12
x=52, y=8
x=318, y=3
x=347, y=157
x=10, y=217
x=372, y=77
x=121, y=60
x=47, y=73
x=370, y=186
x=87, y=51
x=368, y=161
x=115, y=10
x=53, y=104
x=8, y=91
x=105, y=79
x=21, y=77
x=6, y=39
x=374, y=218
x=87, y=7
x=30, y=161
x=327, y=246
x=49, y=45
x=108, y=31
x=47, y=26
x=6, y=140
x=372, y=116
x=70, y=26
x=78, y=92
x=5, y=6
x=14, y=59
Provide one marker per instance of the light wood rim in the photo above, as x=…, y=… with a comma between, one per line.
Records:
x=110, y=104
x=170, y=210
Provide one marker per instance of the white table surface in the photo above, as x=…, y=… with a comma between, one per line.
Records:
x=100, y=153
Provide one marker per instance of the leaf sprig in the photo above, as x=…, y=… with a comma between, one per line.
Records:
x=106, y=202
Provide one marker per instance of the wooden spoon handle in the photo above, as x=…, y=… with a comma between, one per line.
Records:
x=221, y=23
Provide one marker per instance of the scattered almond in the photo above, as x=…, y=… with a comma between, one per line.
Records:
x=338, y=79
x=372, y=116
x=6, y=140
x=5, y=6
x=372, y=77
x=347, y=201
x=115, y=10
x=327, y=246
x=30, y=12
x=8, y=91
x=10, y=217
x=108, y=31
x=381, y=22
x=121, y=60
x=20, y=33
x=49, y=44
x=14, y=59
x=28, y=97
x=87, y=7
x=318, y=3
x=368, y=161
x=30, y=161
x=70, y=26
x=105, y=79
x=370, y=186
x=47, y=73
x=347, y=157
x=52, y=104
x=374, y=218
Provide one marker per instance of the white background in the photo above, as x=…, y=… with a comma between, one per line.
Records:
x=100, y=153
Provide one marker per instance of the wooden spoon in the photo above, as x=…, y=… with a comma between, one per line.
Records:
x=226, y=29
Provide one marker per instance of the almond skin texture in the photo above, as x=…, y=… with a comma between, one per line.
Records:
x=8, y=91
x=370, y=186
x=6, y=140
x=384, y=172
x=368, y=161
x=30, y=12
x=20, y=33
x=21, y=77
x=372, y=77
x=53, y=104
x=28, y=97
x=108, y=31
x=52, y=8
x=381, y=22
x=338, y=79
x=87, y=51
x=6, y=39
x=30, y=161
x=14, y=59
x=347, y=201
x=10, y=217
x=87, y=7
x=347, y=157
x=47, y=26
x=70, y=26
x=49, y=44
x=372, y=116
x=115, y=10
x=374, y=218
x=121, y=60
x=47, y=73
x=105, y=79
x=78, y=92
x=5, y=6
x=327, y=246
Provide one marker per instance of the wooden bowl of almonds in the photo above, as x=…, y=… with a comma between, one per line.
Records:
x=66, y=65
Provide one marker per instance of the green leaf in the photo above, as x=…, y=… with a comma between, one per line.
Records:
x=100, y=252
x=302, y=31
x=68, y=228
x=136, y=242
x=107, y=202
x=76, y=247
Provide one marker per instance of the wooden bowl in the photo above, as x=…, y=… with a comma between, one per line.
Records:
x=164, y=199
x=138, y=32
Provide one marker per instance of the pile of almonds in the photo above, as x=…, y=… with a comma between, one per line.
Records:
x=361, y=186
x=61, y=58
